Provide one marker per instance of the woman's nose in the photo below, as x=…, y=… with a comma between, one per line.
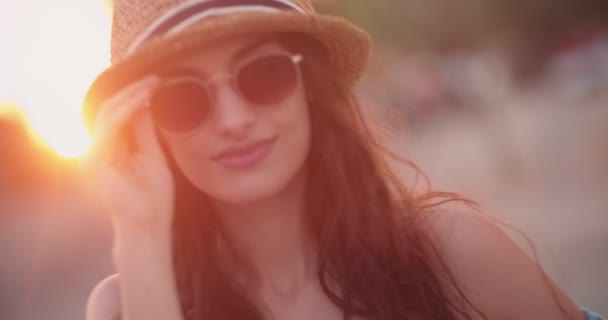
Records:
x=234, y=116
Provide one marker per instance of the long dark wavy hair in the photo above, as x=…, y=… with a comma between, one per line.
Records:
x=367, y=225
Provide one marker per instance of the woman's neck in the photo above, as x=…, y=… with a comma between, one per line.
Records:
x=271, y=237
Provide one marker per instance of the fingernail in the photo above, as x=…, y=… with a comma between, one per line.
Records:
x=150, y=81
x=150, y=84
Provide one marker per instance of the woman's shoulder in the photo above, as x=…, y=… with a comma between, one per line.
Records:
x=494, y=272
x=104, y=300
x=467, y=237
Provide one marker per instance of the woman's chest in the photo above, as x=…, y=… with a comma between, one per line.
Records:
x=311, y=303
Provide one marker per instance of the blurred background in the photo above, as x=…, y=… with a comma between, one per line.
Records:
x=505, y=101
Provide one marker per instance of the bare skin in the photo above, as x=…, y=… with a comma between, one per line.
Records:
x=499, y=278
x=141, y=226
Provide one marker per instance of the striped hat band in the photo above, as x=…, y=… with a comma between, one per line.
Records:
x=182, y=16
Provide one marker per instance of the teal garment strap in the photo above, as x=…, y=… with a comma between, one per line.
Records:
x=592, y=316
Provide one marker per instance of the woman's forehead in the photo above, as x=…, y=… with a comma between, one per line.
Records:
x=223, y=52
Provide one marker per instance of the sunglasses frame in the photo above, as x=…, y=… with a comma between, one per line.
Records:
x=209, y=84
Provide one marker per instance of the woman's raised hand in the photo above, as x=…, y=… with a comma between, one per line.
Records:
x=126, y=161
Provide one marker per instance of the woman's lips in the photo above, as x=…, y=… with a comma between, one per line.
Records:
x=246, y=156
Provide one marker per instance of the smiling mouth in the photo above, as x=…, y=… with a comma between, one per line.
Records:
x=247, y=156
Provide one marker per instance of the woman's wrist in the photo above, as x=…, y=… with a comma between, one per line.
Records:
x=151, y=238
x=143, y=258
x=150, y=222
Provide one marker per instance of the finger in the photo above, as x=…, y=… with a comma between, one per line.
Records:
x=114, y=118
x=127, y=99
x=121, y=106
x=145, y=138
x=111, y=125
x=108, y=142
x=124, y=95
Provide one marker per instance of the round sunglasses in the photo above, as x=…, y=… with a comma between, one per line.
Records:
x=185, y=99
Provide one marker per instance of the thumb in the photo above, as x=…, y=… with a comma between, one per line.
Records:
x=145, y=136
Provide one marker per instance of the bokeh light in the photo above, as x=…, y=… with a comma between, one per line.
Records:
x=52, y=50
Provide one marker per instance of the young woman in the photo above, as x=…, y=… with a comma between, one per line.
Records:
x=243, y=182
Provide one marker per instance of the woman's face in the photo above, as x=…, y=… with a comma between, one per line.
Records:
x=241, y=151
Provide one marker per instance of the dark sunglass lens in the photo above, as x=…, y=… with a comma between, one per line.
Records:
x=180, y=106
x=268, y=80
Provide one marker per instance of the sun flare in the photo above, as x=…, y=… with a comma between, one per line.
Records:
x=52, y=50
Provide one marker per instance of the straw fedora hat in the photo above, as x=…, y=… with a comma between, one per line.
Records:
x=146, y=32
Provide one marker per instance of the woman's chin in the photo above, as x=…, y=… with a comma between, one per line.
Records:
x=246, y=193
x=244, y=197
x=253, y=190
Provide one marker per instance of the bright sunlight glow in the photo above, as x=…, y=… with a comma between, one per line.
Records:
x=51, y=52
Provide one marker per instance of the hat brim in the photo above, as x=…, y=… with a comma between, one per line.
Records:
x=348, y=46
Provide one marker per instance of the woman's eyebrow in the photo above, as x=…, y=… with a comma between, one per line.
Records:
x=243, y=52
